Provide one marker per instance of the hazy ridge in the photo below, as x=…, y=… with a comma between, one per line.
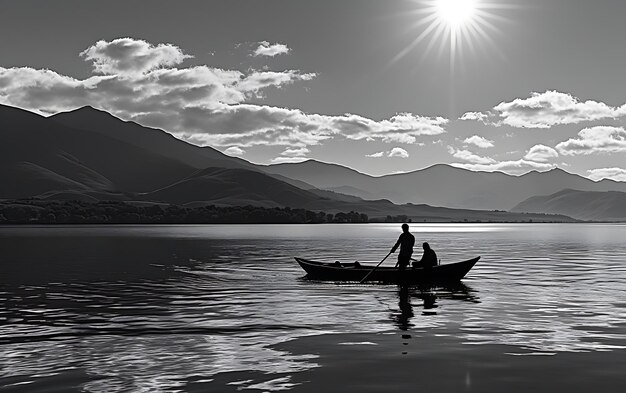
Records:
x=91, y=155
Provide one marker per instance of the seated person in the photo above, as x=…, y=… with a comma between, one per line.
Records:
x=429, y=259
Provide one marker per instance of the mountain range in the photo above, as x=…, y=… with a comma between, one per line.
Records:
x=443, y=185
x=582, y=205
x=91, y=155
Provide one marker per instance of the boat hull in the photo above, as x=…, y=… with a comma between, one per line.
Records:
x=448, y=273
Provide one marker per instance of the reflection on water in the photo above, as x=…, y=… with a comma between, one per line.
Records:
x=424, y=299
x=164, y=307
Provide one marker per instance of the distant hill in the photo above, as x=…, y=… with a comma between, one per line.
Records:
x=583, y=205
x=89, y=155
x=240, y=187
x=441, y=185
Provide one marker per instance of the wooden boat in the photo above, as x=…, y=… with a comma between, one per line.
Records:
x=447, y=273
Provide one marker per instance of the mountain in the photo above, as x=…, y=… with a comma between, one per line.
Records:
x=441, y=185
x=90, y=155
x=92, y=120
x=240, y=187
x=38, y=154
x=583, y=205
x=234, y=186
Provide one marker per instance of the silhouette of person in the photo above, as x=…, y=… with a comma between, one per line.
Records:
x=429, y=259
x=406, y=241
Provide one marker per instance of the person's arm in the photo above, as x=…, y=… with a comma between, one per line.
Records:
x=395, y=246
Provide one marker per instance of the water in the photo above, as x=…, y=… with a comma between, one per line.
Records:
x=170, y=308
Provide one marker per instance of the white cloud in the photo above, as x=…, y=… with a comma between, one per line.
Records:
x=261, y=79
x=541, y=153
x=248, y=125
x=470, y=157
x=201, y=104
x=512, y=167
x=475, y=162
x=476, y=116
x=300, y=152
x=398, y=152
x=395, y=152
x=544, y=110
x=235, y=151
x=284, y=160
x=292, y=155
x=617, y=174
x=131, y=56
x=400, y=128
x=599, y=139
x=267, y=49
x=479, y=141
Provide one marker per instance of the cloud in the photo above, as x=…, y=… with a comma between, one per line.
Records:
x=476, y=116
x=160, y=92
x=235, y=151
x=200, y=104
x=271, y=50
x=599, y=139
x=400, y=128
x=470, y=157
x=617, y=174
x=512, y=167
x=398, y=152
x=479, y=141
x=291, y=155
x=131, y=56
x=541, y=153
x=395, y=152
x=476, y=162
x=261, y=79
x=287, y=160
x=544, y=110
x=248, y=125
x=300, y=152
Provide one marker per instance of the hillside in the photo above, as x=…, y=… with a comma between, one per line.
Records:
x=89, y=155
x=442, y=185
x=583, y=205
x=39, y=155
x=92, y=120
x=230, y=186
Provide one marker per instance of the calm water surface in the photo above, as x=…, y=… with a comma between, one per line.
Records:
x=166, y=308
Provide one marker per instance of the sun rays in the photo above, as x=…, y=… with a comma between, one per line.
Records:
x=456, y=25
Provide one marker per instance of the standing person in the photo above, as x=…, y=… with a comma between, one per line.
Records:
x=405, y=242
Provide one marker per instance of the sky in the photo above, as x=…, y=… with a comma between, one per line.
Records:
x=374, y=85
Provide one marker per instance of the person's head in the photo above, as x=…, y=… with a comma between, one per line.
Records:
x=426, y=246
x=405, y=227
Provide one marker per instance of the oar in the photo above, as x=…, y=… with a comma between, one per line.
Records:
x=375, y=267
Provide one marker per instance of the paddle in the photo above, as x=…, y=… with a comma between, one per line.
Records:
x=375, y=267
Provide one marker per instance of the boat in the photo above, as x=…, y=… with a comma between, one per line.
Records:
x=440, y=274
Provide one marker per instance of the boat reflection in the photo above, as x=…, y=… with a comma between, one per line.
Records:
x=429, y=297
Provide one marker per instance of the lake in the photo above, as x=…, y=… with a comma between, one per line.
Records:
x=225, y=308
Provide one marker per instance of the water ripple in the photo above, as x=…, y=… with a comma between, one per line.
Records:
x=148, y=308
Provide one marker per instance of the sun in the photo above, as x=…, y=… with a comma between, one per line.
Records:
x=455, y=12
x=461, y=25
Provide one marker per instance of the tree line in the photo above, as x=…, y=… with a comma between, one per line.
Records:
x=37, y=211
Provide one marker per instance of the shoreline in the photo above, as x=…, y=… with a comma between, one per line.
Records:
x=84, y=224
